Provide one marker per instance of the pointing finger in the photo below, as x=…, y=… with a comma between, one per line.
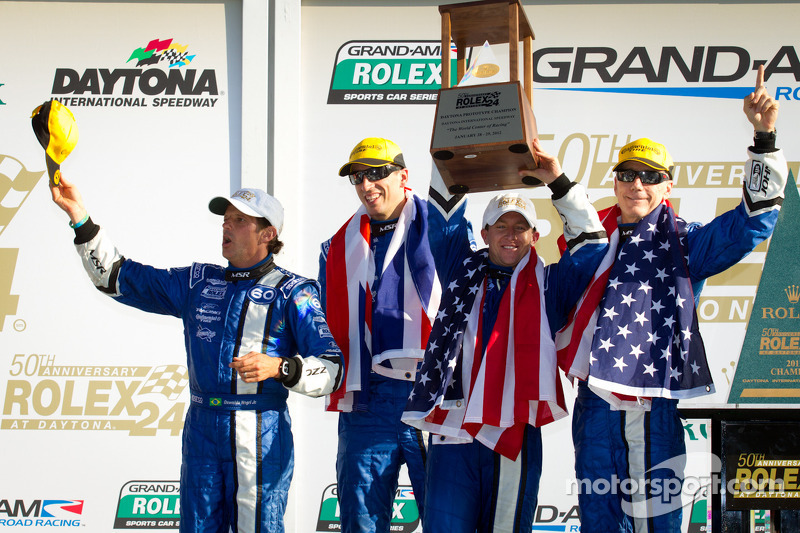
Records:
x=760, y=77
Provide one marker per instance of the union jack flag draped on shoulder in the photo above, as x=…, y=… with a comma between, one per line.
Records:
x=407, y=282
x=464, y=391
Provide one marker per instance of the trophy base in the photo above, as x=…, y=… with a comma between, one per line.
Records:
x=483, y=136
x=486, y=168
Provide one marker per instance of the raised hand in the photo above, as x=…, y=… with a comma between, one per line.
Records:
x=761, y=109
x=68, y=198
x=549, y=167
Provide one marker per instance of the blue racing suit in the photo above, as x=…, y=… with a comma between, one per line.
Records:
x=614, y=448
x=373, y=442
x=238, y=452
x=470, y=487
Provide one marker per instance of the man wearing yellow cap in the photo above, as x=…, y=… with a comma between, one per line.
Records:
x=646, y=352
x=381, y=292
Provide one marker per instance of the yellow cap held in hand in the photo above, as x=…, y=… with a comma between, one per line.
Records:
x=57, y=132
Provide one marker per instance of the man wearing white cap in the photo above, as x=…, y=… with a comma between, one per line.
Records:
x=244, y=326
x=646, y=352
x=489, y=377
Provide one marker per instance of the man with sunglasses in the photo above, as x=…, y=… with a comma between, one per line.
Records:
x=381, y=292
x=646, y=352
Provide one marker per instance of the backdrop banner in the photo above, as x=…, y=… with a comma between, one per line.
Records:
x=94, y=394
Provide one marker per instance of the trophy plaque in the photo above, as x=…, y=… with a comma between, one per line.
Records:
x=483, y=134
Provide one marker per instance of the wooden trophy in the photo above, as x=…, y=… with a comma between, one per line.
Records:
x=483, y=134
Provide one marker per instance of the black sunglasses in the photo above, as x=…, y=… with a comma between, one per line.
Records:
x=648, y=177
x=372, y=174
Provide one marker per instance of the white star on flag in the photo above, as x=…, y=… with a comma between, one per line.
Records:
x=648, y=301
x=606, y=344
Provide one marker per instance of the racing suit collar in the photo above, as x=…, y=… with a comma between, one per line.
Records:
x=255, y=272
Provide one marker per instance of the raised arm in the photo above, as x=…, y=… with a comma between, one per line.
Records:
x=141, y=286
x=586, y=240
x=728, y=238
x=449, y=232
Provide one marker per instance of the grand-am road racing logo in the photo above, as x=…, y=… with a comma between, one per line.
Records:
x=149, y=505
x=41, y=513
x=388, y=72
x=42, y=395
x=160, y=77
x=409, y=72
x=668, y=71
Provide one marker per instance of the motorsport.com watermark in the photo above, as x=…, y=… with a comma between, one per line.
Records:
x=656, y=496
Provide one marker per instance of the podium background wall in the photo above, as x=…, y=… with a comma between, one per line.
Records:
x=93, y=393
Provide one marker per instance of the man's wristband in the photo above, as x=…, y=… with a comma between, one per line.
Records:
x=764, y=141
x=79, y=223
x=765, y=135
x=561, y=186
x=289, y=371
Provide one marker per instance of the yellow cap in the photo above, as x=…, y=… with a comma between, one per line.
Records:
x=649, y=152
x=374, y=152
x=57, y=132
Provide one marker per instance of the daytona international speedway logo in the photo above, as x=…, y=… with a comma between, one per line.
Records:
x=157, y=74
x=173, y=54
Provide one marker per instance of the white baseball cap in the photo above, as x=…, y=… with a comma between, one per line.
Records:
x=505, y=203
x=253, y=202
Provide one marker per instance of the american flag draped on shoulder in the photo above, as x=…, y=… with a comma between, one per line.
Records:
x=463, y=391
x=408, y=281
x=646, y=341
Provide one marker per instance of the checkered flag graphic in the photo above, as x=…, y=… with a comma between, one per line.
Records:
x=175, y=57
x=169, y=380
x=16, y=183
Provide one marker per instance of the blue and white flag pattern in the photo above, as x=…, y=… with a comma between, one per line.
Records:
x=647, y=342
x=439, y=382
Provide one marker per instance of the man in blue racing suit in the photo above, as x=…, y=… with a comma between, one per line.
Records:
x=489, y=377
x=244, y=326
x=381, y=292
x=646, y=352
